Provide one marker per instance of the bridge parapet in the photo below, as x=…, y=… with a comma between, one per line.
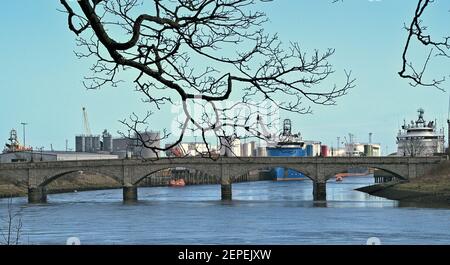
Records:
x=224, y=160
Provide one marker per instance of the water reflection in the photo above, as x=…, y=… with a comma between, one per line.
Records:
x=260, y=213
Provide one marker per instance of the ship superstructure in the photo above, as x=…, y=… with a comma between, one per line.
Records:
x=420, y=138
x=14, y=145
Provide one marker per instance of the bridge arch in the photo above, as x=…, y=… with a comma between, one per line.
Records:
x=249, y=169
x=307, y=170
x=46, y=180
x=396, y=172
x=151, y=173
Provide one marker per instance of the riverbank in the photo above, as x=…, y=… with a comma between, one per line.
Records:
x=432, y=188
x=70, y=183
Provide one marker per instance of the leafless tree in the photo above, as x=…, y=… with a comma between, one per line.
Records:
x=200, y=53
x=11, y=225
x=414, y=146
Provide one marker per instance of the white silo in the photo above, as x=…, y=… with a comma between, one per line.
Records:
x=246, y=150
x=230, y=146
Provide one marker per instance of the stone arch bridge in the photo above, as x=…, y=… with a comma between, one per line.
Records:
x=129, y=172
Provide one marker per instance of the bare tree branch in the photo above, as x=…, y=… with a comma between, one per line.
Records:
x=417, y=31
x=11, y=225
x=205, y=51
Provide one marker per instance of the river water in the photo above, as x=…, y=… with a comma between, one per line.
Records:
x=263, y=212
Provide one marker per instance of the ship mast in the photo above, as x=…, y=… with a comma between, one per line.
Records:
x=420, y=120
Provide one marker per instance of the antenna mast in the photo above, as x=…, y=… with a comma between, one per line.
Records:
x=87, y=128
x=338, y=141
x=448, y=126
x=448, y=113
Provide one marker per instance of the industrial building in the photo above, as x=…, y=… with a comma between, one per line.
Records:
x=190, y=149
x=337, y=152
x=87, y=142
x=123, y=147
x=36, y=156
x=134, y=146
x=249, y=149
x=362, y=149
x=15, y=152
x=151, y=139
x=355, y=148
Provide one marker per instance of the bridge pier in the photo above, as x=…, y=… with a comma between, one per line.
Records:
x=37, y=195
x=130, y=193
x=226, y=189
x=319, y=191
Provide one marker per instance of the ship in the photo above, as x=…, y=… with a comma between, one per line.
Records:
x=177, y=183
x=286, y=145
x=355, y=172
x=14, y=145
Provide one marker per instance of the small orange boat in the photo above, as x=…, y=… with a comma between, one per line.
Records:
x=341, y=176
x=177, y=183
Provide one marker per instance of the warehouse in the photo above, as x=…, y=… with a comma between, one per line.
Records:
x=27, y=156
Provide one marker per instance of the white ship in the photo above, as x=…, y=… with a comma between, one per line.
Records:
x=420, y=138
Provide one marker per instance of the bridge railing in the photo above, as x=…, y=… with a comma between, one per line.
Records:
x=224, y=160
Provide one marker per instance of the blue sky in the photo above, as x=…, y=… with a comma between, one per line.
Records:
x=41, y=79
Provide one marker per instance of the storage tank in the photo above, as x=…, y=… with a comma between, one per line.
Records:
x=151, y=139
x=107, y=141
x=79, y=144
x=324, y=150
x=87, y=144
x=261, y=152
x=309, y=150
x=243, y=151
x=96, y=146
x=91, y=144
x=368, y=150
x=253, y=148
x=246, y=150
x=230, y=147
x=317, y=148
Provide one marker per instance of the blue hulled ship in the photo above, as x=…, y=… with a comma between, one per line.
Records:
x=288, y=144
